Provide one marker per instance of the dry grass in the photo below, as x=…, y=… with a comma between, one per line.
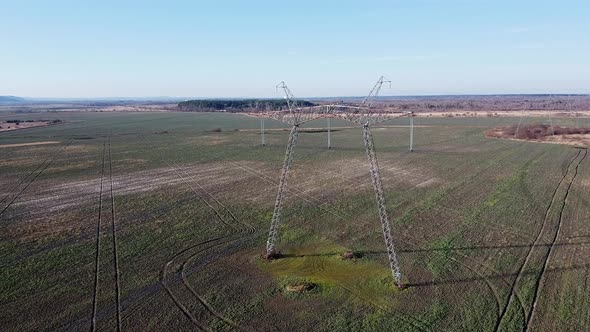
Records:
x=543, y=133
x=5, y=126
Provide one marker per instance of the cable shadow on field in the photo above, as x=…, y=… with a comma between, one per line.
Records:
x=493, y=276
x=362, y=253
x=512, y=246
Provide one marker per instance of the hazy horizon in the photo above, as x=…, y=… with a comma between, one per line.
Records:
x=381, y=96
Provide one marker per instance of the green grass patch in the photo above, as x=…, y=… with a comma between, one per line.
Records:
x=322, y=265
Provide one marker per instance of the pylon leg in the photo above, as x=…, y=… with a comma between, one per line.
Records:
x=378, y=186
x=275, y=223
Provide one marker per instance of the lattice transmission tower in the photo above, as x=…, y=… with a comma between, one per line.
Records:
x=296, y=116
x=363, y=115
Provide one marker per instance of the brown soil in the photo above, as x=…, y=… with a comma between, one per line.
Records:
x=300, y=287
x=543, y=134
x=348, y=255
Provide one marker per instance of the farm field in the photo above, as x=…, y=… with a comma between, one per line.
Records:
x=157, y=221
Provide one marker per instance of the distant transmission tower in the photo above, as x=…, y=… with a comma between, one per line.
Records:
x=329, y=134
x=412, y=132
x=362, y=115
x=262, y=131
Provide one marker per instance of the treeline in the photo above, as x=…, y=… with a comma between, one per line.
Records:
x=237, y=105
x=490, y=103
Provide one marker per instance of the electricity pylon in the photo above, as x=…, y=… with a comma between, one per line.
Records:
x=365, y=117
x=381, y=205
x=412, y=132
x=366, y=120
x=262, y=130
x=329, y=133
x=295, y=116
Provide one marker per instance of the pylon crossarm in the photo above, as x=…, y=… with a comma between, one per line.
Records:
x=378, y=187
x=298, y=116
x=276, y=217
x=375, y=118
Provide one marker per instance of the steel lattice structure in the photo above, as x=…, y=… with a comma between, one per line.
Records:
x=363, y=115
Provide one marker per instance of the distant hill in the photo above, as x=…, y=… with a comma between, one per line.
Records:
x=11, y=100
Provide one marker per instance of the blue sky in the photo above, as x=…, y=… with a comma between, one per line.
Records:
x=320, y=48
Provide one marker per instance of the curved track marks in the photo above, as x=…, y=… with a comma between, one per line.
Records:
x=238, y=231
x=555, y=236
x=536, y=243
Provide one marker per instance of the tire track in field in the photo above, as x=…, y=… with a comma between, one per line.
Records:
x=28, y=175
x=551, y=248
x=47, y=164
x=164, y=278
x=519, y=274
x=190, y=254
x=97, y=257
x=250, y=230
x=484, y=277
x=114, y=233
